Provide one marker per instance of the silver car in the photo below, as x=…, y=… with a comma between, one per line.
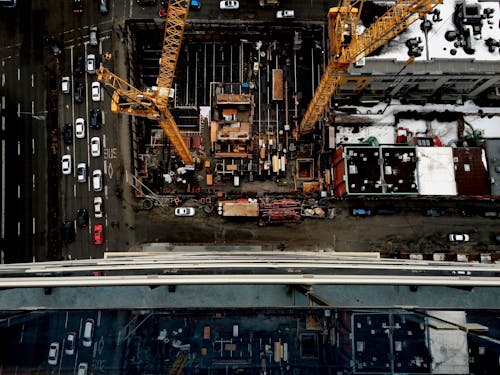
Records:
x=66, y=164
x=93, y=36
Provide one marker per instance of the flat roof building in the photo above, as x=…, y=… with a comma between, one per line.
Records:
x=365, y=170
x=471, y=174
x=493, y=157
x=435, y=171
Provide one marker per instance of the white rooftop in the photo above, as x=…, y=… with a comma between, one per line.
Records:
x=448, y=345
x=437, y=46
x=435, y=171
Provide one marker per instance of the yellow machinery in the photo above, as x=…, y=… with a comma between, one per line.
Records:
x=348, y=47
x=154, y=104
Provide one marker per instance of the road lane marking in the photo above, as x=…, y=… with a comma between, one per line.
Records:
x=3, y=123
x=34, y=182
x=18, y=228
x=33, y=145
x=3, y=79
x=18, y=191
x=99, y=318
x=18, y=148
x=106, y=191
x=66, y=321
x=32, y=80
x=104, y=140
x=3, y=102
x=74, y=190
x=22, y=334
x=34, y=225
x=32, y=107
x=18, y=74
x=18, y=109
x=3, y=191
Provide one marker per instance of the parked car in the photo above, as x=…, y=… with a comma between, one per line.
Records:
x=54, y=46
x=385, y=210
x=96, y=91
x=229, y=5
x=77, y=6
x=81, y=172
x=79, y=93
x=146, y=2
x=103, y=7
x=95, y=118
x=458, y=237
x=98, y=234
x=91, y=63
x=194, y=5
x=80, y=127
x=435, y=212
x=490, y=214
x=69, y=345
x=68, y=232
x=93, y=37
x=78, y=67
x=66, y=164
x=285, y=14
x=53, y=353
x=67, y=134
x=82, y=217
x=185, y=211
x=95, y=147
x=97, y=180
x=361, y=212
x=98, y=208
x=65, y=85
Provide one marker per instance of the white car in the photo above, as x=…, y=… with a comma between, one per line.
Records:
x=81, y=170
x=82, y=368
x=285, y=14
x=229, y=4
x=80, y=127
x=458, y=237
x=93, y=36
x=65, y=85
x=184, y=211
x=97, y=180
x=98, y=207
x=66, y=164
x=95, y=147
x=96, y=91
x=70, y=344
x=53, y=353
x=91, y=63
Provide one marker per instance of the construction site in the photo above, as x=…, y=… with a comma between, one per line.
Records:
x=233, y=121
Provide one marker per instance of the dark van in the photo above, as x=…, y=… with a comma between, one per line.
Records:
x=68, y=232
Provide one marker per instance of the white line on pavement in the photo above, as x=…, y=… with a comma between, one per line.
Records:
x=18, y=74
x=34, y=225
x=32, y=80
x=3, y=190
x=33, y=145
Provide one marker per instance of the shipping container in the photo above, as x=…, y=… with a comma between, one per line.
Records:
x=277, y=84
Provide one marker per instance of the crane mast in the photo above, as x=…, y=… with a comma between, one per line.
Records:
x=154, y=104
x=399, y=17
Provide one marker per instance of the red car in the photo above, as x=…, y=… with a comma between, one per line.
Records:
x=98, y=234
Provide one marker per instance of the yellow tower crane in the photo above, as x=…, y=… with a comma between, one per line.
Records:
x=154, y=104
x=348, y=47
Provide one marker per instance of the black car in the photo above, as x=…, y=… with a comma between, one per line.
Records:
x=435, y=212
x=77, y=6
x=54, y=46
x=68, y=134
x=82, y=217
x=146, y=2
x=68, y=231
x=79, y=93
x=95, y=118
x=79, y=67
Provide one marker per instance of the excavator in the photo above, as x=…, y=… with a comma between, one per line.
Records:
x=154, y=104
x=348, y=47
